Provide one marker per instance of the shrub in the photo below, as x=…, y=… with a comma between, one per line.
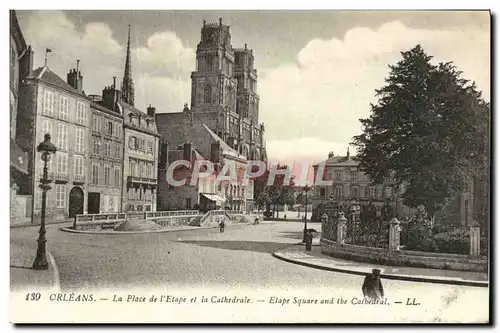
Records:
x=418, y=233
x=458, y=241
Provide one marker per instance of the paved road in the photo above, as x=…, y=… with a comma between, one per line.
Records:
x=240, y=257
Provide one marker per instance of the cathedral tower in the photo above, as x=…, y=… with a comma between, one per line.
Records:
x=128, y=84
x=247, y=105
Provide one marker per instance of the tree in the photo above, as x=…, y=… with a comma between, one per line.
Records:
x=276, y=194
x=429, y=130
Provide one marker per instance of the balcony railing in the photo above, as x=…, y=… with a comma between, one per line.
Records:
x=61, y=176
x=79, y=178
x=141, y=180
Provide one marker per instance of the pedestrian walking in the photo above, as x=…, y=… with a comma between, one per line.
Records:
x=372, y=286
x=221, y=226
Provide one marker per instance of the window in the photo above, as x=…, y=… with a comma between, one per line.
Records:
x=207, y=97
x=60, y=195
x=107, y=175
x=95, y=123
x=337, y=176
x=132, y=168
x=130, y=208
x=322, y=192
x=80, y=113
x=141, y=144
x=63, y=108
x=62, y=163
x=107, y=148
x=188, y=203
x=48, y=103
x=80, y=140
x=354, y=192
x=141, y=168
x=132, y=142
x=354, y=176
x=117, y=176
x=62, y=137
x=338, y=192
x=147, y=208
x=110, y=128
x=47, y=127
x=96, y=147
x=95, y=174
x=78, y=165
x=117, y=130
x=150, y=147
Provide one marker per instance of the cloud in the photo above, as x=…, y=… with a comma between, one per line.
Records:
x=332, y=83
x=160, y=69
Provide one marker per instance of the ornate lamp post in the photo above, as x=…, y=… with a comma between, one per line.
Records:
x=46, y=147
x=304, y=237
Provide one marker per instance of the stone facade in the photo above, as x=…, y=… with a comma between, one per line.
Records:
x=207, y=193
x=223, y=96
x=106, y=159
x=50, y=105
x=140, y=159
x=352, y=186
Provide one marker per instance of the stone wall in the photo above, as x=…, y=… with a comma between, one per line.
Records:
x=403, y=258
x=20, y=208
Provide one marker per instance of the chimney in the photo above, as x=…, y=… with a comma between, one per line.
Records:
x=215, y=152
x=187, y=151
x=75, y=78
x=151, y=111
x=110, y=96
x=245, y=46
x=220, y=20
x=163, y=155
x=330, y=154
x=204, y=22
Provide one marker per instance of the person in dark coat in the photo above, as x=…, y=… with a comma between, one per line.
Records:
x=309, y=239
x=372, y=286
x=221, y=226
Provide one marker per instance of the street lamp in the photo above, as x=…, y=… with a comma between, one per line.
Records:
x=46, y=147
x=304, y=237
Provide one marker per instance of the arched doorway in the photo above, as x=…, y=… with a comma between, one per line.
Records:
x=75, y=201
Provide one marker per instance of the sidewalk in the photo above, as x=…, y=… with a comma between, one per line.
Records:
x=296, y=254
x=48, y=222
x=23, y=277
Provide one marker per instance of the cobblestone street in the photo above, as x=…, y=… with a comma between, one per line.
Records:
x=238, y=258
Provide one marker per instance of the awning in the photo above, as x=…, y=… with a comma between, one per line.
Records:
x=213, y=197
x=18, y=158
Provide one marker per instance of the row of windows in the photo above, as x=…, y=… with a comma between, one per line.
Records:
x=61, y=196
x=356, y=193
x=140, y=144
x=61, y=109
x=62, y=135
x=140, y=194
x=61, y=164
x=110, y=127
x=139, y=168
x=109, y=149
x=141, y=122
x=105, y=175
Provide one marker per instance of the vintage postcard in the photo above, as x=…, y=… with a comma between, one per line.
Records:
x=176, y=166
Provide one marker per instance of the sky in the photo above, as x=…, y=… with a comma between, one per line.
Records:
x=318, y=70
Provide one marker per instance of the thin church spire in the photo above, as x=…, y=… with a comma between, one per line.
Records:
x=128, y=84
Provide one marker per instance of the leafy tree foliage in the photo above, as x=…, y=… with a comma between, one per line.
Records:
x=429, y=129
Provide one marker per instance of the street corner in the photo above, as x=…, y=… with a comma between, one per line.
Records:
x=24, y=277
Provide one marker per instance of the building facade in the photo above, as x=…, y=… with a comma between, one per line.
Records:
x=106, y=157
x=207, y=192
x=59, y=108
x=223, y=96
x=352, y=187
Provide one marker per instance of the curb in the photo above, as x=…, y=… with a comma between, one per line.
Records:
x=470, y=283
x=57, y=279
x=27, y=225
x=71, y=230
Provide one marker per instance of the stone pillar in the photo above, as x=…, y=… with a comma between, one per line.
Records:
x=341, y=226
x=475, y=239
x=394, y=232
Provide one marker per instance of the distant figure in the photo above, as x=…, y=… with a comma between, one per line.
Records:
x=285, y=216
x=372, y=286
x=221, y=226
x=256, y=220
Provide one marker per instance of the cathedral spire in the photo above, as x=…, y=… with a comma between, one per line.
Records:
x=128, y=84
